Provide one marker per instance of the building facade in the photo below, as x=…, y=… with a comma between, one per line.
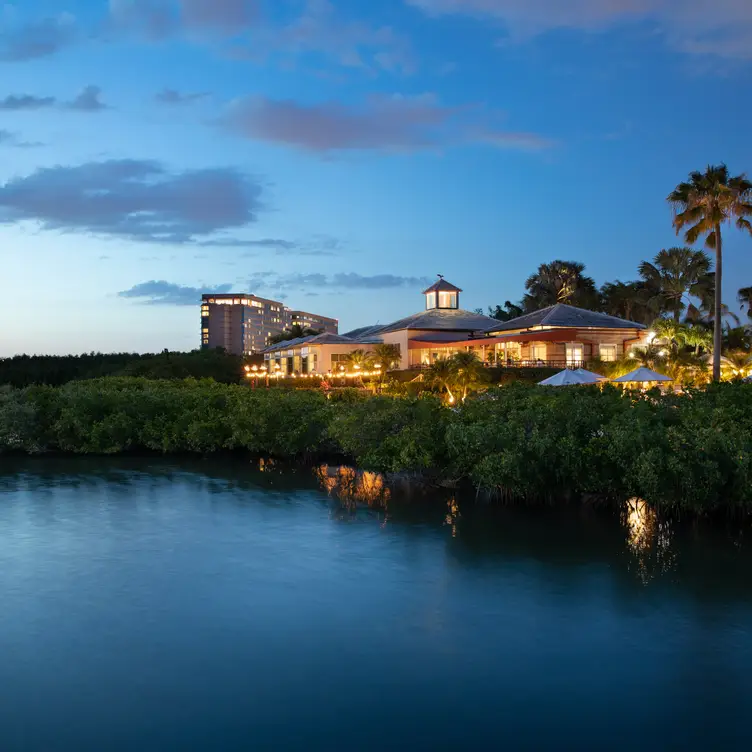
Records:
x=244, y=324
x=560, y=336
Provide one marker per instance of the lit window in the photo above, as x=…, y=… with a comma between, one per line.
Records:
x=538, y=352
x=608, y=352
x=447, y=300
x=431, y=300
x=575, y=354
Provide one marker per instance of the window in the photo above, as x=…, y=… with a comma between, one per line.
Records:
x=537, y=352
x=574, y=354
x=608, y=353
x=430, y=300
x=447, y=300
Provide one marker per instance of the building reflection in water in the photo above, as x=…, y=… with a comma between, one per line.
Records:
x=649, y=539
x=352, y=486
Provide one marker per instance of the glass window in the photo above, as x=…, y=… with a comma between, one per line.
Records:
x=574, y=354
x=447, y=300
x=431, y=300
x=608, y=352
x=538, y=352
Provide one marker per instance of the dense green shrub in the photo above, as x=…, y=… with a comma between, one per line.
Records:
x=685, y=452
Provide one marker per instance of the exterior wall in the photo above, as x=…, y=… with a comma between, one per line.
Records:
x=312, y=320
x=245, y=323
x=399, y=338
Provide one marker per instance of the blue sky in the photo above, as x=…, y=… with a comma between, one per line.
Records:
x=336, y=153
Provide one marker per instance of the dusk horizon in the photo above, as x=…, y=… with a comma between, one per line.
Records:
x=338, y=156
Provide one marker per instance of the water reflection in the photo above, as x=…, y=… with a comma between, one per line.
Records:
x=353, y=486
x=453, y=514
x=649, y=539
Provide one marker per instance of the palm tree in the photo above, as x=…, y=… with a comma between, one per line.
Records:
x=441, y=374
x=736, y=364
x=506, y=313
x=359, y=360
x=628, y=300
x=296, y=331
x=698, y=336
x=738, y=338
x=745, y=300
x=560, y=282
x=386, y=356
x=650, y=356
x=673, y=275
x=671, y=331
x=701, y=205
x=468, y=371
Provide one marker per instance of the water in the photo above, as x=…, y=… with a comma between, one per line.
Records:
x=152, y=606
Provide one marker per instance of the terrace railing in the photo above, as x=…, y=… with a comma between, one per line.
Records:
x=535, y=363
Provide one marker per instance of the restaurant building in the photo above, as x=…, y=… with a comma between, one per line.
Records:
x=557, y=336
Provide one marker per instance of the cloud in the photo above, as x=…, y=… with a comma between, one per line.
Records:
x=174, y=97
x=88, y=101
x=394, y=123
x=161, y=292
x=317, y=246
x=338, y=281
x=18, y=102
x=133, y=199
x=8, y=138
x=320, y=31
x=36, y=39
x=158, y=19
x=722, y=28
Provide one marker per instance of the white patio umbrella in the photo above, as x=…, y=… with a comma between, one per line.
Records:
x=568, y=377
x=641, y=375
x=590, y=375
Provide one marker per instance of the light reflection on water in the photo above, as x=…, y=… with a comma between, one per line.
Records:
x=352, y=486
x=649, y=539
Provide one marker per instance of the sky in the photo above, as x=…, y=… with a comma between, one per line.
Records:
x=338, y=154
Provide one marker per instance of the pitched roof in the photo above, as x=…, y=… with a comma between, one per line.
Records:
x=565, y=315
x=441, y=285
x=363, y=331
x=445, y=319
x=315, y=339
x=641, y=374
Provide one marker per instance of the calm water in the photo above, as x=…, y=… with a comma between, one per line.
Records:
x=150, y=606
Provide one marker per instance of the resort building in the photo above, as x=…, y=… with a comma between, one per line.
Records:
x=244, y=324
x=560, y=336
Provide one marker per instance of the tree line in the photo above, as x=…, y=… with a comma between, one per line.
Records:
x=55, y=370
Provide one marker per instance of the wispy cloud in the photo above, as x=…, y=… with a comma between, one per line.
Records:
x=316, y=246
x=88, y=100
x=161, y=292
x=134, y=199
x=321, y=31
x=36, y=39
x=174, y=97
x=340, y=281
x=19, y=102
x=722, y=28
x=8, y=138
x=396, y=123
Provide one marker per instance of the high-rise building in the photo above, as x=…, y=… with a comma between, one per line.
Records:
x=244, y=324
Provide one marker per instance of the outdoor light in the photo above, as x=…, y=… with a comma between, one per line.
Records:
x=651, y=336
x=254, y=368
x=662, y=353
x=247, y=368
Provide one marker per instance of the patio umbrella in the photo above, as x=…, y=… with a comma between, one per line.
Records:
x=596, y=377
x=641, y=375
x=568, y=377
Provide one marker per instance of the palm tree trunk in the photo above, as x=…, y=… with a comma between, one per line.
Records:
x=718, y=323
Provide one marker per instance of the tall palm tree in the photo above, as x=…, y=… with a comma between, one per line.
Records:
x=628, y=300
x=673, y=276
x=671, y=331
x=701, y=205
x=560, y=282
x=745, y=299
x=507, y=312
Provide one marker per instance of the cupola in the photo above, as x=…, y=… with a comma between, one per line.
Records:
x=442, y=294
